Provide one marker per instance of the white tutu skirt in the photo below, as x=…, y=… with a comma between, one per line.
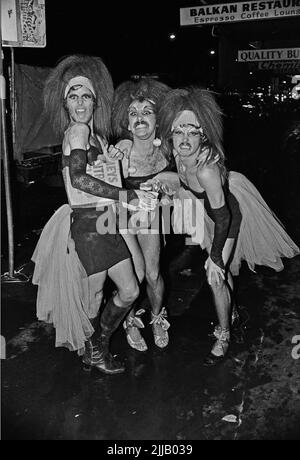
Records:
x=63, y=296
x=262, y=239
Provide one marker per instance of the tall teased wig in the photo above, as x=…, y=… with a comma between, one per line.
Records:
x=208, y=113
x=91, y=67
x=128, y=91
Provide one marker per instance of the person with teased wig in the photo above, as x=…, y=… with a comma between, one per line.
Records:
x=236, y=222
x=73, y=257
x=134, y=125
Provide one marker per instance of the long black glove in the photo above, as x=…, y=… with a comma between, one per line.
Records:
x=87, y=183
x=222, y=220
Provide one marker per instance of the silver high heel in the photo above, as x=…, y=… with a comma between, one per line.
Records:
x=220, y=347
x=134, y=322
x=160, y=325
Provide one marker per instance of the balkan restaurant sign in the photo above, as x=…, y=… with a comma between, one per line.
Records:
x=238, y=11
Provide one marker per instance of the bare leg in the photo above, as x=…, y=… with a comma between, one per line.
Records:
x=133, y=323
x=234, y=313
x=123, y=275
x=222, y=296
x=137, y=256
x=96, y=283
x=139, y=268
x=222, y=291
x=150, y=245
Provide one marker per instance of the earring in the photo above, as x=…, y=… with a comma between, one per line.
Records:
x=157, y=142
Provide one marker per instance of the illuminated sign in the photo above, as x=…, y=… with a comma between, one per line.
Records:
x=296, y=88
x=23, y=23
x=235, y=12
x=277, y=54
x=284, y=66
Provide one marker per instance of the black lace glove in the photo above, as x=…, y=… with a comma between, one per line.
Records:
x=87, y=183
x=222, y=220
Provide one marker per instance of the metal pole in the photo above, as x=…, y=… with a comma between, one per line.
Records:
x=10, y=276
x=6, y=171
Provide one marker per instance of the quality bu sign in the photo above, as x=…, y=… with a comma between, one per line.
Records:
x=277, y=54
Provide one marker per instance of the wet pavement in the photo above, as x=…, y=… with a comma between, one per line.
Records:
x=164, y=394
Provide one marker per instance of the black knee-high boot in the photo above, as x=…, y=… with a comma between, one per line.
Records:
x=91, y=345
x=97, y=351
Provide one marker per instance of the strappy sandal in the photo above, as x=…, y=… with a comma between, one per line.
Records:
x=160, y=326
x=220, y=347
x=135, y=323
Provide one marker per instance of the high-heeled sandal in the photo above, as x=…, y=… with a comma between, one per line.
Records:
x=160, y=326
x=135, y=323
x=220, y=347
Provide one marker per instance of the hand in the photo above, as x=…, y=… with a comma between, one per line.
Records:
x=167, y=190
x=150, y=185
x=147, y=200
x=213, y=271
x=114, y=153
x=121, y=151
x=125, y=146
x=157, y=186
x=102, y=157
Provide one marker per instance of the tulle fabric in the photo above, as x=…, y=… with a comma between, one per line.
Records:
x=63, y=296
x=262, y=239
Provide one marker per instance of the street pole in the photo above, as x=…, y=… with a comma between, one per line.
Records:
x=10, y=276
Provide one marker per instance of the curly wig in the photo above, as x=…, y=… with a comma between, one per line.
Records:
x=128, y=91
x=207, y=111
x=94, y=69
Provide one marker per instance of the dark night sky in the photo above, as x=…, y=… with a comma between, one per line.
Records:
x=132, y=37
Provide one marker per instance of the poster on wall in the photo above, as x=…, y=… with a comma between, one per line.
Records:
x=23, y=23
